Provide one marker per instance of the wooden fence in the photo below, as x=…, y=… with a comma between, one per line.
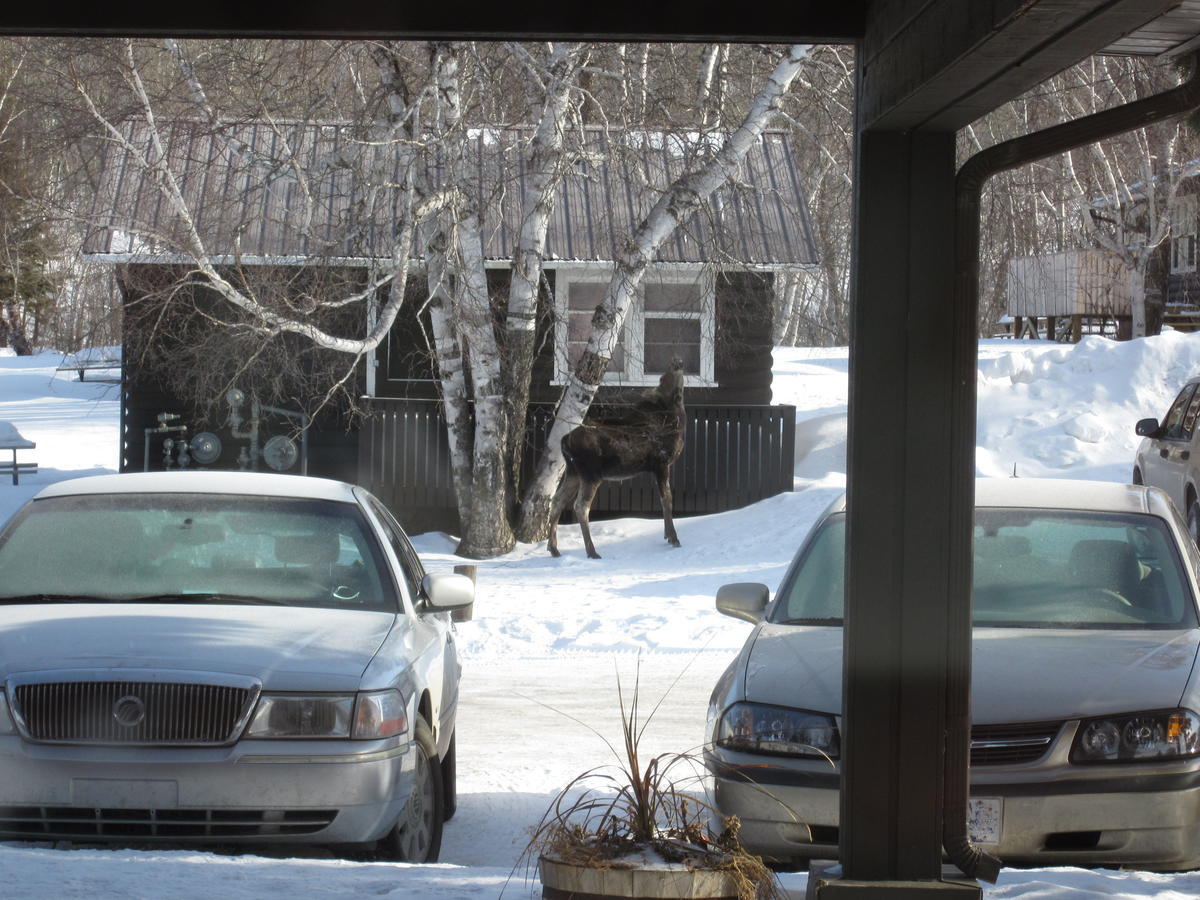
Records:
x=732, y=456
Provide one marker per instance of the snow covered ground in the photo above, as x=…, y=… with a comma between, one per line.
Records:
x=550, y=636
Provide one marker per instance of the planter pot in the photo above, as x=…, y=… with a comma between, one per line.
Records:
x=563, y=881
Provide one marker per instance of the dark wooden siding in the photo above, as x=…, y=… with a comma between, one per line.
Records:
x=154, y=333
x=733, y=455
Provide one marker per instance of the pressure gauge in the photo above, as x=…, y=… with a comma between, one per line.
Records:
x=280, y=453
x=205, y=448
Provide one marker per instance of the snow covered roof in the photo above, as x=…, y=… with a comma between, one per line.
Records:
x=270, y=192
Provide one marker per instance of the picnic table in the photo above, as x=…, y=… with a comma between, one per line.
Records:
x=11, y=439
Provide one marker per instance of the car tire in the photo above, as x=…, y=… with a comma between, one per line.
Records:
x=417, y=835
x=450, y=781
x=1193, y=521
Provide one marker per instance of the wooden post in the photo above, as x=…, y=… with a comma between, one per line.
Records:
x=904, y=511
x=465, y=614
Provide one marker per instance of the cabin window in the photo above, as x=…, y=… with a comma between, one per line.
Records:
x=671, y=317
x=1183, y=235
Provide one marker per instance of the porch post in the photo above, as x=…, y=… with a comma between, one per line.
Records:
x=911, y=485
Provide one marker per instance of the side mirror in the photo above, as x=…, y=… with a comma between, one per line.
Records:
x=1147, y=428
x=746, y=600
x=445, y=592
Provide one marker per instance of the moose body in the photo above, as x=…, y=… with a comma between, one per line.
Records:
x=648, y=438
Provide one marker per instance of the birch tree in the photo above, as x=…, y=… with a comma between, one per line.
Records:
x=1115, y=195
x=676, y=205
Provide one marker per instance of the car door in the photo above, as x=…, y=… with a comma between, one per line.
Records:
x=433, y=634
x=1169, y=457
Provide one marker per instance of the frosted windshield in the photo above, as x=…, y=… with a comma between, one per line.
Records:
x=194, y=548
x=1032, y=568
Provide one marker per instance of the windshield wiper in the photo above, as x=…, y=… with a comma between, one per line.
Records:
x=201, y=597
x=53, y=598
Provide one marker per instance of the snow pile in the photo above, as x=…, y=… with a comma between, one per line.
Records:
x=551, y=637
x=1063, y=411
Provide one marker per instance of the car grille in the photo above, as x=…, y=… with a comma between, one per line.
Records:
x=132, y=712
x=1001, y=745
x=81, y=824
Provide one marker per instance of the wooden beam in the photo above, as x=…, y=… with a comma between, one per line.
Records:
x=805, y=21
x=941, y=64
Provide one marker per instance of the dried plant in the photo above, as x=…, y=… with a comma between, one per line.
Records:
x=639, y=809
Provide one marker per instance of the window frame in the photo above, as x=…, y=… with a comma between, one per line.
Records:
x=633, y=336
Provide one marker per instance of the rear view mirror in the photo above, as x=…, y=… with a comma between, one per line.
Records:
x=1146, y=428
x=745, y=600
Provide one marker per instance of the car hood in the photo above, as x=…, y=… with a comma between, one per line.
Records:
x=287, y=648
x=1018, y=675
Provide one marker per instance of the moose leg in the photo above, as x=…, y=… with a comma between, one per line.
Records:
x=663, y=476
x=583, y=508
x=567, y=489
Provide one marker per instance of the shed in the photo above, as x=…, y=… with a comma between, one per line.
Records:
x=707, y=299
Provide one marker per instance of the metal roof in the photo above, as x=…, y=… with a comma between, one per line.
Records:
x=278, y=191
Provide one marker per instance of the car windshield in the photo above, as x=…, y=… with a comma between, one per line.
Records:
x=1033, y=568
x=193, y=548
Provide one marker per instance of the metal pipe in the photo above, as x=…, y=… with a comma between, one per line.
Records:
x=971, y=860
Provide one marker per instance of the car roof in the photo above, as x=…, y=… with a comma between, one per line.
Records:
x=1065, y=493
x=203, y=482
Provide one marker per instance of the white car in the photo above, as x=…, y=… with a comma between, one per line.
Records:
x=224, y=657
x=1169, y=455
x=1085, y=745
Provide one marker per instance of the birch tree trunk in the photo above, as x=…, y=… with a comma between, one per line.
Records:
x=675, y=206
x=1137, y=298
x=545, y=175
x=486, y=529
x=451, y=366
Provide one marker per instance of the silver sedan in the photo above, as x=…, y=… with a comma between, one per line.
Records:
x=224, y=658
x=1085, y=746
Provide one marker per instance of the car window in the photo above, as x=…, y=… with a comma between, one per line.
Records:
x=195, y=548
x=1172, y=425
x=1189, y=417
x=414, y=571
x=1033, y=568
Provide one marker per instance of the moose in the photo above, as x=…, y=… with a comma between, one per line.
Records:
x=646, y=438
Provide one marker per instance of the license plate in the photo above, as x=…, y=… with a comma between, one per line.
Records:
x=984, y=817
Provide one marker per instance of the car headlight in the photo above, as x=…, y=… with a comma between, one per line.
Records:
x=364, y=716
x=302, y=716
x=7, y=726
x=759, y=728
x=380, y=714
x=1169, y=734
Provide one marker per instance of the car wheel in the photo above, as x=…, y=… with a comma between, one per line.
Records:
x=1137, y=476
x=1193, y=521
x=417, y=835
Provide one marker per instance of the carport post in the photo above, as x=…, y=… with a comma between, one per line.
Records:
x=905, y=597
